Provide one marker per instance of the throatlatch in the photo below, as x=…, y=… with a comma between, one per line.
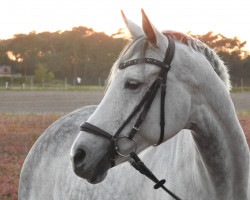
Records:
x=159, y=82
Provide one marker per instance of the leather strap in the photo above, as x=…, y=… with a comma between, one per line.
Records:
x=147, y=106
x=167, y=61
x=95, y=130
x=170, y=52
x=142, y=168
x=143, y=60
x=137, y=108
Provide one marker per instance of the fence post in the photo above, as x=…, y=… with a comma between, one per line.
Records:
x=31, y=82
x=65, y=84
x=241, y=84
x=43, y=82
x=99, y=81
x=12, y=81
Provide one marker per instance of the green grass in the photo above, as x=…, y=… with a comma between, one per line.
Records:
x=55, y=88
x=83, y=88
x=244, y=112
x=239, y=89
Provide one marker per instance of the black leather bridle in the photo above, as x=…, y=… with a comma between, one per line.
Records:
x=159, y=82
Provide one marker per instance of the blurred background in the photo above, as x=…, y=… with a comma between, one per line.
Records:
x=63, y=43
x=55, y=56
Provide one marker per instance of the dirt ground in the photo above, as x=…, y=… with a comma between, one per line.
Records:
x=241, y=100
x=47, y=101
x=67, y=101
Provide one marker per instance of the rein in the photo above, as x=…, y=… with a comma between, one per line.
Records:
x=159, y=82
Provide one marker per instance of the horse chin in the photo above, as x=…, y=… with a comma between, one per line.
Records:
x=100, y=172
x=97, y=178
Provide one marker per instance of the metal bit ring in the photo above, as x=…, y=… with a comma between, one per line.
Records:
x=117, y=148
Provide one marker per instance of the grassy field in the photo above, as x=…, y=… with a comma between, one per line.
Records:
x=83, y=88
x=18, y=132
x=54, y=88
x=240, y=89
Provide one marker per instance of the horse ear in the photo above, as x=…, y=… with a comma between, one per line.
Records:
x=152, y=34
x=134, y=29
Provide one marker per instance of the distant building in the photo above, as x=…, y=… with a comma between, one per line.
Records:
x=5, y=70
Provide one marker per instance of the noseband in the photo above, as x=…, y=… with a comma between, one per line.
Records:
x=159, y=82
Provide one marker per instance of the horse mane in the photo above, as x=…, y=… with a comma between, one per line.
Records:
x=140, y=44
x=218, y=65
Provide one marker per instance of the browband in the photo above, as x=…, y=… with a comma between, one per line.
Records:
x=165, y=64
x=144, y=60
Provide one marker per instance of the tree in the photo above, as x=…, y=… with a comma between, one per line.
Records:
x=221, y=43
x=42, y=74
x=84, y=53
x=232, y=53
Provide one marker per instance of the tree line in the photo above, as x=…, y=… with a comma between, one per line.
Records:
x=80, y=52
x=231, y=51
x=84, y=53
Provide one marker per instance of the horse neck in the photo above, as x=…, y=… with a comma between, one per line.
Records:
x=221, y=144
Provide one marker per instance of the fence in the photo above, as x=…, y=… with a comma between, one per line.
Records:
x=28, y=83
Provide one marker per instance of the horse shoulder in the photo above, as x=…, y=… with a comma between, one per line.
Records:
x=50, y=151
x=47, y=172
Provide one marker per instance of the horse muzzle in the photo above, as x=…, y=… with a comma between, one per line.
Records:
x=94, y=170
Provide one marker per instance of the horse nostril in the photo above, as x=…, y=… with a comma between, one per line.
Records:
x=79, y=157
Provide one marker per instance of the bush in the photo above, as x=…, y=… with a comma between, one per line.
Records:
x=42, y=74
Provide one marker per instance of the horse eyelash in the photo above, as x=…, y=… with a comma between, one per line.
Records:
x=132, y=85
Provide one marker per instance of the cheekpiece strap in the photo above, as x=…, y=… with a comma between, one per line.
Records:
x=170, y=51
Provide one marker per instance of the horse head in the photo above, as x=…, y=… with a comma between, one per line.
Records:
x=128, y=85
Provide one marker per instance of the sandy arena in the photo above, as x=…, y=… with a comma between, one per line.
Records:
x=67, y=101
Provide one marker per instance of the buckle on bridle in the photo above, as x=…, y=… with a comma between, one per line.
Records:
x=136, y=128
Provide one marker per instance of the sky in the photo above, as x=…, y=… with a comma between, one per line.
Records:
x=228, y=17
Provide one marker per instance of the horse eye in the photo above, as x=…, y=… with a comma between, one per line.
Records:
x=132, y=85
